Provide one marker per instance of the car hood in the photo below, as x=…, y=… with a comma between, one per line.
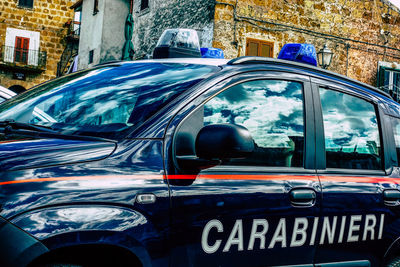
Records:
x=17, y=155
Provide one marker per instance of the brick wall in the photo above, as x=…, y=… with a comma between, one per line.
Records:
x=46, y=17
x=342, y=24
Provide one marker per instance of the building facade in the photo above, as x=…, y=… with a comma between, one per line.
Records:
x=102, y=30
x=103, y=26
x=362, y=34
x=32, y=39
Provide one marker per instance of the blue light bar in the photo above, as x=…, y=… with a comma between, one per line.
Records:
x=211, y=52
x=304, y=53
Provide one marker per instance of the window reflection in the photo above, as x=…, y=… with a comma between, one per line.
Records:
x=115, y=96
x=272, y=110
x=351, y=132
x=396, y=129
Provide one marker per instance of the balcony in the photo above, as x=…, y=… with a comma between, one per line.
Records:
x=22, y=59
x=74, y=30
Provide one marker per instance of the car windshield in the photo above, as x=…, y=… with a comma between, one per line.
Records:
x=107, y=99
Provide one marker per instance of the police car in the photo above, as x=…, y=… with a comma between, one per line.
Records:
x=200, y=162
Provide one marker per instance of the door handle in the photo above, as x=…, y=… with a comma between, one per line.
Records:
x=391, y=197
x=303, y=197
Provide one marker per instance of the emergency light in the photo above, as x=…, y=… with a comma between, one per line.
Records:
x=178, y=43
x=304, y=53
x=211, y=52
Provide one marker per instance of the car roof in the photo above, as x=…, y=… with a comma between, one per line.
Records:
x=272, y=62
x=305, y=67
x=196, y=61
x=249, y=60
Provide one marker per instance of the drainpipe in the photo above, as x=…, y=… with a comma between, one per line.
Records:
x=131, y=7
x=347, y=58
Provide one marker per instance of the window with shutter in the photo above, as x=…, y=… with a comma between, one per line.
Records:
x=259, y=48
x=389, y=81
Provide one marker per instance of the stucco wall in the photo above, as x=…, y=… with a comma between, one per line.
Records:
x=103, y=32
x=91, y=33
x=44, y=23
x=342, y=24
x=164, y=14
x=113, y=39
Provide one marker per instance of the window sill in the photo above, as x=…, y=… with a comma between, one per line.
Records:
x=25, y=7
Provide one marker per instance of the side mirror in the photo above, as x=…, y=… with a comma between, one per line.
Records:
x=214, y=143
x=224, y=141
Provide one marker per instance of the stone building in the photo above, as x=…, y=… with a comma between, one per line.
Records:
x=32, y=38
x=363, y=34
x=152, y=17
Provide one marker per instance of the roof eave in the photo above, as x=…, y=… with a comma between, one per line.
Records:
x=77, y=4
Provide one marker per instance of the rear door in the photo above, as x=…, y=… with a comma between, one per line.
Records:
x=257, y=211
x=359, y=197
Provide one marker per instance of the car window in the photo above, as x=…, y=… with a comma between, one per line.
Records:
x=107, y=98
x=351, y=132
x=272, y=110
x=396, y=129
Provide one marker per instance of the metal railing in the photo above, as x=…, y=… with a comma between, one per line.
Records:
x=74, y=28
x=23, y=57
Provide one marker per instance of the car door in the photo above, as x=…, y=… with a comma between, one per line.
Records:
x=255, y=211
x=360, y=198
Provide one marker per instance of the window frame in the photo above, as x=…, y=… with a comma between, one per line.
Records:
x=390, y=88
x=320, y=133
x=309, y=129
x=390, y=125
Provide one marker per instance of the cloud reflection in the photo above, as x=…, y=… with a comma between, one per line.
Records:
x=350, y=123
x=54, y=221
x=122, y=95
x=271, y=110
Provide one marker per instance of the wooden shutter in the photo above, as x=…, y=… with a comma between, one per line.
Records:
x=252, y=49
x=21, y=49
x=266, y=50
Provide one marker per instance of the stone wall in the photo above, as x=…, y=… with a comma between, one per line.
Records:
x=46, y=17
x=163, y=14
x=355, y=30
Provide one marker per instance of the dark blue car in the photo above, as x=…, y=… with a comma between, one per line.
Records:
x=196, y=162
